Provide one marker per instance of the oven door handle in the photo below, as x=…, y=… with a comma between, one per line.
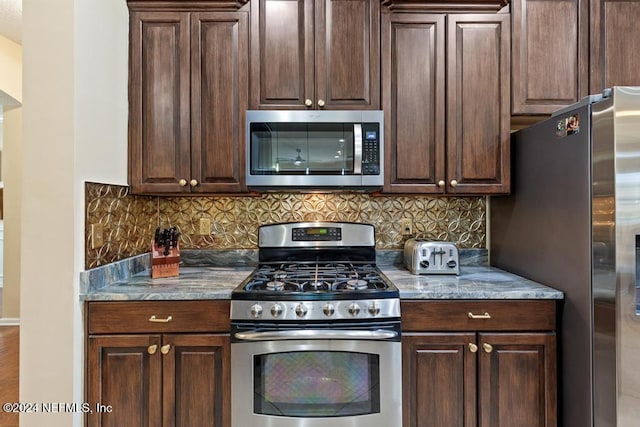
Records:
x=316, y=334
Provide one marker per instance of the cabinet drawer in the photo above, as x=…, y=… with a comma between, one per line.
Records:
x=157, y=316
x=489, y=315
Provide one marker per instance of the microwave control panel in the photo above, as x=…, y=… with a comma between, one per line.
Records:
x=370, y=149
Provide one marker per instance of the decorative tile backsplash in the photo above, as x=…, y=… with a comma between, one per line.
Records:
x=129, y=221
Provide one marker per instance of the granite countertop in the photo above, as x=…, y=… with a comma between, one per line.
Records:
x=131, y=280
x=474, y=282
x=192, y=283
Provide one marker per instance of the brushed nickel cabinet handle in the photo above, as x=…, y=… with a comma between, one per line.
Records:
x=308, y=102
x=472, y=347
x=154, y=319
x=152, y=349
x=165, y=348
x=320, y=103
x=193, y=182
x=441, y=183
x=488, y=348
x=182, y=182
x=479, y=316
x=454, y=183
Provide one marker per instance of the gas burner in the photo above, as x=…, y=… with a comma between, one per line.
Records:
x=315, y=287
x=265, y=285
x=357, y=284
x=275, y=285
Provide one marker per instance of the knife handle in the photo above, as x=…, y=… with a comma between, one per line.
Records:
x=156, y=236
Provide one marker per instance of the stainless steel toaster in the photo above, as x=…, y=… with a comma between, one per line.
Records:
x=428, y=257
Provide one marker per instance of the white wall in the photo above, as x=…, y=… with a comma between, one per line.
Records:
x=74, y=113
x=101, y=90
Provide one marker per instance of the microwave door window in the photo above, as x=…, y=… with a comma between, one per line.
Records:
x=301, y=148
x=263, y=149
x=331, y=148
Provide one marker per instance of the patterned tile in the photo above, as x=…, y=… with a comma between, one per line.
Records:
x=129, y=221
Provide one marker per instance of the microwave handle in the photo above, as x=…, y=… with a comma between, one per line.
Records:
x=357, y=149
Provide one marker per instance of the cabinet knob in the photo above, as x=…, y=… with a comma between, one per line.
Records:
x=152, y=349
x=488, y=348
x=182, y=182
x=193, y=182
x=165, y=348
x=308, y=102
x=441, y=183
x=453, y=183
x=320, y=103
x=472, y=347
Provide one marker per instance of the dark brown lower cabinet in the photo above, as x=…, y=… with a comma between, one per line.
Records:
x=517, y=379
x=470, y=378
x=439, y=380
x=172, y=379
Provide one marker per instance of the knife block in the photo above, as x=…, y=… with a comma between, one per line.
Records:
x=164, y=265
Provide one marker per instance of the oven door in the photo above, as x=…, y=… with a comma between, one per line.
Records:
x=353, y=381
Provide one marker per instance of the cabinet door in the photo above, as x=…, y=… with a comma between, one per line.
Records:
x=124, y=371
x=439, y=380
x=219, y=73
x=196, y=380
x=310, y=54
x=159, y=102
x=550, y=54
x=282, y=54
x=413, y=75
x=347, y=60
x=478, y=113
x=517, y=380
x=615, y=43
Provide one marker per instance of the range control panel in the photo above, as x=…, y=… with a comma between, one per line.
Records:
x=313, y=234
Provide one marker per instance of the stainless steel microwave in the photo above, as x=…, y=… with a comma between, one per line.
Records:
x=315, y=150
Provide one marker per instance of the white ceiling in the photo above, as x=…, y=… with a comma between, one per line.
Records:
x=11, y=20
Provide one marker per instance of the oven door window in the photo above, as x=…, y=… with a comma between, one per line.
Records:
x=302, y=148
x=312, y=384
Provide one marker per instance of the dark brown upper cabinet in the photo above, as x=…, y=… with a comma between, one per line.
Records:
x=550, y=54
x=615, y=43
x=446, y=102
x=314, y=54
x=188, y=93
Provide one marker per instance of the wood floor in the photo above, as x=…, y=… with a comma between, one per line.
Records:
x=9, y=346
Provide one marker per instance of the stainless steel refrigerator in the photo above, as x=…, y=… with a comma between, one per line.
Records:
x=572, y=222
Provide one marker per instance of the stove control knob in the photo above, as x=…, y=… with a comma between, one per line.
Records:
x=301, y=310
x=353, y=309
x=276, y=310
x=374, y=309
x=256, y=311
x=328, y=310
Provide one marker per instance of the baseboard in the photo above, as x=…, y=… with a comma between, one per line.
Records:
x=9, y=321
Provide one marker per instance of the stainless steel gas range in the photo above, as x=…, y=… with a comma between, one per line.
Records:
x=315, y=332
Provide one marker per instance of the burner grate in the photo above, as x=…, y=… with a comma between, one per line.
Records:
x=330, y=277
